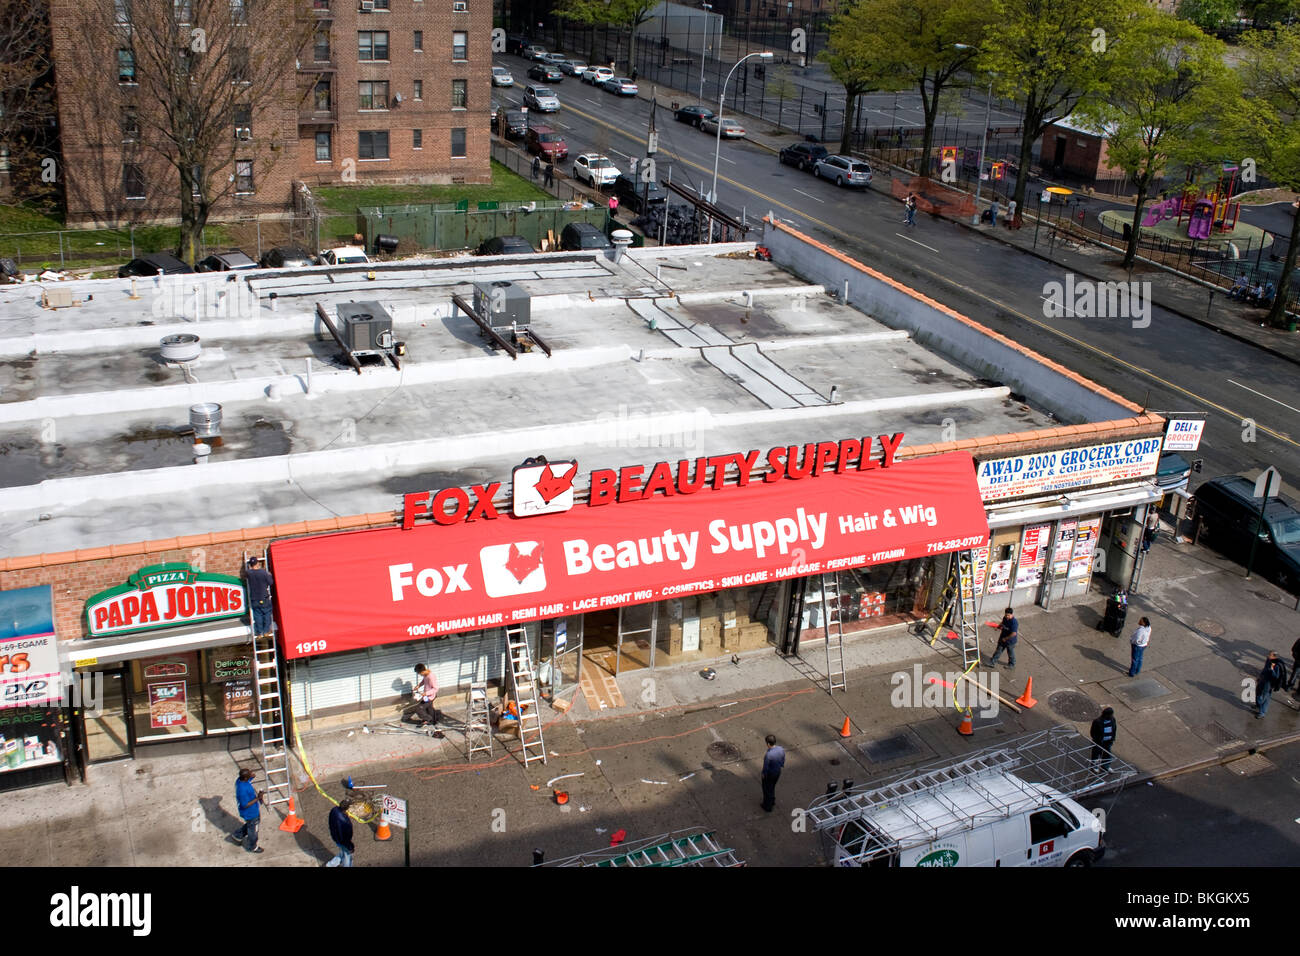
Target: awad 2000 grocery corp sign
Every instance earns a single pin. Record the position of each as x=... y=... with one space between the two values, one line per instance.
x=164 y=595
x=1048 y=471
x=438 y=578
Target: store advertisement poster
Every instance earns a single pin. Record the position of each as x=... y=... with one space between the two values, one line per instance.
x=1033 y=555
x=1064 y=549
x=1000 y=577
x=1085 y=543
x=167 y=705
x=237 y=699
x=29 y=652
x=227 y=666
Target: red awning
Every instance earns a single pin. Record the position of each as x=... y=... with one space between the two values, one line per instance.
x=347 y=591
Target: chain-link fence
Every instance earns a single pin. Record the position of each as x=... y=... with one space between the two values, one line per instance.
x=451 y=226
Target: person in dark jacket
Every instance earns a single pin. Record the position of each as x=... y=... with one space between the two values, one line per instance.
x=1008 y=636
x=259 y=597
x=341 y=834
x=247 y=801
x=1295 y=664
x=773 y=764
x=1271 y=678
x=1103 y=740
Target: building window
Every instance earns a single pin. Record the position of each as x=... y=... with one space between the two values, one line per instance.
x=419 y=89
x=130 y=124
x=372 y=144
x=417 y=139
x=323 y=149
x=122 y=12
x=320 y=50
x=320 y=4
x=459 y=45
x=381 y=4
x=458 y=143
x=126 y=67
x=243 y=121
x=459 y=94
x=322 y=96
x=373 y=95
x=184 y=10
x=239 y=69
x=419 y=41
x=243 y=177
x=238 y=12
x=133 y=180
x=372 y=45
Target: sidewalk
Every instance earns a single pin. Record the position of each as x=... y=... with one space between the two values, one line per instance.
x=685 y=752
x=1173 y=292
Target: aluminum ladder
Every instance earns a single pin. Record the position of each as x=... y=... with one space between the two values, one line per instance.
x=478 y=722
x=524 y=689
x=835 y=677
x=270 y=712
x=943 y=608
x=967 y=614
x=693 y=848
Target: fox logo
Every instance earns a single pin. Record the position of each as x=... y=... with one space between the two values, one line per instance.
x=510 y=569
x=543 y=489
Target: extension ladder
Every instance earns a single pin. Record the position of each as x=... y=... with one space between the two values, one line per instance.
x=270 y=712
x=524 y=689
x=835 y=676
x=681 y=848
x=967 y=614
x=478 y=722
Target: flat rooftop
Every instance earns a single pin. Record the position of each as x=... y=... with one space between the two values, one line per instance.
x=671 y=353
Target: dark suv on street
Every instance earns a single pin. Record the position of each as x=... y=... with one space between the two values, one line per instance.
x=1227 y=514
x=803 y=155
x=632 y=193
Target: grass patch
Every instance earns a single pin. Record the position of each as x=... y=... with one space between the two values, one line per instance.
x=505 y=187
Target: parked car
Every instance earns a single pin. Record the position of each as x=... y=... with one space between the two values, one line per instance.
x=541 y=98
x=155 y=263
x=731 y=129
x=504 y=246
x=803 y=155
x=343 y=256
x=545 y=73
x=516 y=45
x=555 y=59
x=1172 y=472
x=843 y=171
x=231 y=261
x=596 y=75
x=583 y=235
x=546 y=143
x=636 y=195
x=693 y=114
x=574 y=68
x=594 y=169
x=286 y=257
x=502 y=77
x=512 y=124
x=621 y=85
x=533 y=52
x=1227 y=514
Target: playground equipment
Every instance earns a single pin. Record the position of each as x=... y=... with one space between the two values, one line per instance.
x=1210 y=207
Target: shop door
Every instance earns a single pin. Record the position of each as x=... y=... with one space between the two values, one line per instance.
x=108 y=728
x=636 y=633
x=566 y=665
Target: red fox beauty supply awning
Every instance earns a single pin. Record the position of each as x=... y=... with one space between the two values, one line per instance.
x=347 y=591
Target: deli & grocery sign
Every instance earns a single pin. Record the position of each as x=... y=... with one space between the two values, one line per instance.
x=440 y=578
x=164 y=595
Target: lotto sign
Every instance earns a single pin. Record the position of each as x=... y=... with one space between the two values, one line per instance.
x=29 y=654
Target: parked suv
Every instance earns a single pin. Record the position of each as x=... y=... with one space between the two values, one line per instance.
x=512 y=124
x=803 y=155
x=583 y=235
x=843 y=171
x=546 y=143
x=632 y=193
x=1227 y=514
x=692 y=114
x=594 y=169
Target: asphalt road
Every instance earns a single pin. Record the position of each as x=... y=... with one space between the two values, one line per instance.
x=1210 y=818
x=1251 y=398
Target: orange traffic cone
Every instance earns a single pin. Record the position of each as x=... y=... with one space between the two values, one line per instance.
x=965 y=728
x=384 y=832
x=847 y=729
x=292 y=823
x=1027 y=698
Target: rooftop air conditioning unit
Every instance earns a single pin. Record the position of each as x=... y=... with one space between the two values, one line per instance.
x=503 y=304
x=365 y=327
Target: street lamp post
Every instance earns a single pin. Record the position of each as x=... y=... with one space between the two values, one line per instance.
x=704 y=49
x=984 y=138
x=766 y=57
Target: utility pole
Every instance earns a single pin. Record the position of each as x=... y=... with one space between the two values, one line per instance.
x=651 y=147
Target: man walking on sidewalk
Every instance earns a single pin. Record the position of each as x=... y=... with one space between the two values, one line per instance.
x=341 y=834
x=537 y=167
x=1139 y=641
x=909 y=208
x=247 y=800
x=1008 y=635
x=773 y=764
x=1271 y=678
x=1103 y=740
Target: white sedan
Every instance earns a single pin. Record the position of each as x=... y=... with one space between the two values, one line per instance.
x=731 y=129
x=622 y=85
x=502 y=77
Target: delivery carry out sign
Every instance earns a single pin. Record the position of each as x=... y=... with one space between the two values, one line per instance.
x=433 y=578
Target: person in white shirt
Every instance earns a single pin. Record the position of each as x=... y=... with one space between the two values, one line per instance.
x=426 y=691
x=1139 y=641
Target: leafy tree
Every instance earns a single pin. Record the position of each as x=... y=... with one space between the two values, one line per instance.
x=782 y=87
x=860 y=60
x=626 y=15
x=1049 y=53
x=1269 y=126
x=1167 y=81
x=1267 y=13
x=1209 y=15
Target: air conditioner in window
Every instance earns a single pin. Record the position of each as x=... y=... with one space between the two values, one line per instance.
x=459 y=6
x=244 y=133
x=367 y=6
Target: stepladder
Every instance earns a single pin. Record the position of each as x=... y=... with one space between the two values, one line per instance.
x=832 y=618
x=523 y=685
x=478 y=725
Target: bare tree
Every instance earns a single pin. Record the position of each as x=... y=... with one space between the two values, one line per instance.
x=201 y=92
x=26 y=86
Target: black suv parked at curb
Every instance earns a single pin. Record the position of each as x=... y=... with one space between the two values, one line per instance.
x=1227 y=516
x=803 y=155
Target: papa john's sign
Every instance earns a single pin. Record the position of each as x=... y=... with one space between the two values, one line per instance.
x=164 y=595
x=662 y=540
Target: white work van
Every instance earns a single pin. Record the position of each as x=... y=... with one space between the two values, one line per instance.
x=983 y=819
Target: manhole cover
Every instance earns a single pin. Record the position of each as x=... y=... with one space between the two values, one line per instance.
x=1219 y=734
x=721 y=750
x=1144 y=689
x=1252 y=765
x=1073 y=705
x=890 y=748
x=1210 y=628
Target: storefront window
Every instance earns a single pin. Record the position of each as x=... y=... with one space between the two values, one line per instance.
x=872 y=597
x=168 y=697
x=30 y=737
x=229 y=696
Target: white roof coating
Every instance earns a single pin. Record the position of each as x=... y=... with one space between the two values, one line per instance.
x=670 y=353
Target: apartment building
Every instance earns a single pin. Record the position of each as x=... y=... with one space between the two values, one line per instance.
x=274 y=92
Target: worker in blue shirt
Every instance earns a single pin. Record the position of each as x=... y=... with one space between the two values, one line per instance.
x=247 y=800
x=773 y=764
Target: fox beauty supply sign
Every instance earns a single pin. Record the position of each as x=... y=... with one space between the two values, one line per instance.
x=347 y=591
